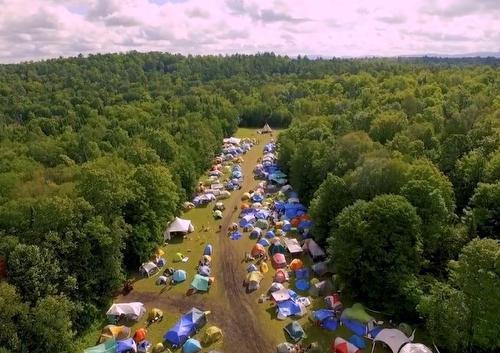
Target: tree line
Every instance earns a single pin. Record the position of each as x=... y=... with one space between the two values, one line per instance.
x=97 y=153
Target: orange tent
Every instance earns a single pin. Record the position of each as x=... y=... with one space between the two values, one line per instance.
x=296 y=221
x=140 y=335
x=296 y=264
x=258 y=250
x=244 y=205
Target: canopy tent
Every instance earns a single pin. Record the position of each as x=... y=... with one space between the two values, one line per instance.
x=212 y=334
x=107 y=347
x=191 y=346
x=133 y=311
x=315 y=251
x=114 y=332
x=295 y=331
x=148 y=269
x=125 y=346
x=200 y=283
x=393 y=338
x=189 y=323
x=178 y=225
x=293 y=246
x=179 y=276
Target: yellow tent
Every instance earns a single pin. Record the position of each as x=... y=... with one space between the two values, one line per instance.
x=113 y=331
x=155 y=314
x=211 y=335
x=159 y=252
x=264 y=268
x=245 y=196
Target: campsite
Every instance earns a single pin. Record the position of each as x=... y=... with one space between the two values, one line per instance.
x=230 y=305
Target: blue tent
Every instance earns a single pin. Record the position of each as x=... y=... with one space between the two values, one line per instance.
x=262 y=214
x=302 y=284
x=287 y=226
x=306 y=224
x=247 y=220
x=264 y=242
x=188 y=324
x=257 y=198
x=208 y=250
x=357 y=341
x=247 y=211
x=236 y=174
x=355 y=326
x=235 y=235
x=270 y=234
x=191 y=346
x=179 y=276
x=323 y=314
x=126 y=345
x=288 y=308
x=330 y=324
x=302 y=273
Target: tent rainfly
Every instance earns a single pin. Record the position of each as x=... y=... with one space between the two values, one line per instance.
x=178 y=225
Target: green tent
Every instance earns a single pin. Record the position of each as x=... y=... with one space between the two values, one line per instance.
x=295 y=331
x=200 y=283
x=107 y=347
x=262 y=224
x=357 y=312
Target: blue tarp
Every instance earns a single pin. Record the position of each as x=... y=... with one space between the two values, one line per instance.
x=288 y=308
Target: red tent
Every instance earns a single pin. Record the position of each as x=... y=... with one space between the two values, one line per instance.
x=340 y=345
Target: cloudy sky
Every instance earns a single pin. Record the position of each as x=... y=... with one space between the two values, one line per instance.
x=38 y=29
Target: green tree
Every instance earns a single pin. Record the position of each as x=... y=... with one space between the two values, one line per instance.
x=376 y=248
x=12 y=312
x=485 y=204
x=386 y=125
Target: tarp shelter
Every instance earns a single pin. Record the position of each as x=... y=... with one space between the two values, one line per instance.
x=178 y=226
x=314 y=250
x=415 y=348
x=188 y=324
x=208 y=250
x=132 y=311
x=148 y=269
x=266 y=129
x=295 y=331
x=253 y=280
x=340 y=345
x=293 y=246
x=191 y=346
x=200 y=283
x=393 y=338
x=126 y=346
x=114 y=332
x=140 y=335
x=258 y=250
x=107 y=347
x=212 y=334
x=179 y=276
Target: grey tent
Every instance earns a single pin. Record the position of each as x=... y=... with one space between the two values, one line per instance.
x=314 y=250
x=320 y=268
x=322 y=289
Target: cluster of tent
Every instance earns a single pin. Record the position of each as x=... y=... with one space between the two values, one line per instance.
x=154 y=265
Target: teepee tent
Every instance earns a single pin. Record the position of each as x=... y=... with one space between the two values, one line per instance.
x=266 y=129
x=178 y=225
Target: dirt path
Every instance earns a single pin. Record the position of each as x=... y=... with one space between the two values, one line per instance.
x=245 y=331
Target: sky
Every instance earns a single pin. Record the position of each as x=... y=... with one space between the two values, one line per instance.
x=40 y=29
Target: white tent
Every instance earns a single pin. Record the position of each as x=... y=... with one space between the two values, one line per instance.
x=148 y=268
x=132 y=311
x=178 y=225
x=415 y=348
x=393 y=338
x=232 y=140
x=266 y=129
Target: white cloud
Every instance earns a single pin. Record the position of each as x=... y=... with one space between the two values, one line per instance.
x=36 y=29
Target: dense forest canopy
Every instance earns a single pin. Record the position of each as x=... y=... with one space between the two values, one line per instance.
x=399 y=160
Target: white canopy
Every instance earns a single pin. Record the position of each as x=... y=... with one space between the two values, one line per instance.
x=232 y=140
x=132 y=310
x=178 y=225
x=415 y=348
x=393 y=338
x=266 y=128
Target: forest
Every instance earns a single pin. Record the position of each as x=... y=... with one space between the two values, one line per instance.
x=398 y=159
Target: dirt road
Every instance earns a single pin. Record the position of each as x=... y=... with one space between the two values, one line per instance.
x=245 y=335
